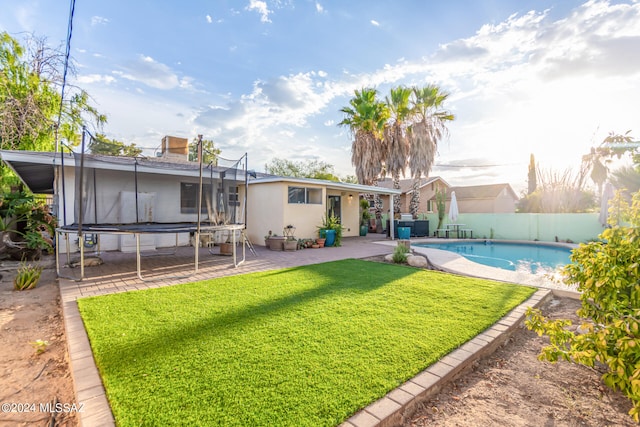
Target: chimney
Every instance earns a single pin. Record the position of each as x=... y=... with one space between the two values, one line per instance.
x=175 y=149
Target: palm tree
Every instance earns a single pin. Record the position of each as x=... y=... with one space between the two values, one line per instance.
x=396 y=138
x=427 y=130
x=366 y=117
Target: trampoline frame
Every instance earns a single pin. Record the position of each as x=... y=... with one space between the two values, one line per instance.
x=137 y=228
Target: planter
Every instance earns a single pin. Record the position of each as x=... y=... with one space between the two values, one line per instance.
x=276 y=243
x=226 y=248
x=364 y=229
x=290 y=245
x=315 y=246
x=321 y=242
x=331 y=237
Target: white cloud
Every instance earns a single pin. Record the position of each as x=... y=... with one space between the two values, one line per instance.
x=261 y=8
x=95 y=78
x=319 y=8
x=209 y=19
x=374 y=23
x=148 y=71
x=99 y=20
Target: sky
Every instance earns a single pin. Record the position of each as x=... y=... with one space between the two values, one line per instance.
x=268 y=78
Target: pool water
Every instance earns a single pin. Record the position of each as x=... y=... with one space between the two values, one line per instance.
x=508 y=256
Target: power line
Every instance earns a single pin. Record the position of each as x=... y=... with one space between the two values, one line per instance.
x=72 y=9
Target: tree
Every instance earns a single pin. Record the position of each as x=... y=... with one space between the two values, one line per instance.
x=532 y=182
x=366 y=118
x=427 y=130
x=315 y=169
x=606 y=272
x=396 y=138
x=614 y=145
x=210 y=153
x=30 y=103
x=111 y=147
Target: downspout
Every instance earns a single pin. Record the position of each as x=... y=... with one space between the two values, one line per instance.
x=392 y=233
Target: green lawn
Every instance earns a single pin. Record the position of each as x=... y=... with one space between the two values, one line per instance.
x=301 y=346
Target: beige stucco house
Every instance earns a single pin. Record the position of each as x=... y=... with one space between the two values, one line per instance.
x=276 y=202
x=492 y=198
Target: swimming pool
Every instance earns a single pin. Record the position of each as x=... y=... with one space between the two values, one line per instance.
x=508 y=256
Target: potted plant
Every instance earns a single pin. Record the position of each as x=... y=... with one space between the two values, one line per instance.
x=290 y=243
x=331 y=229
x=276 y=243
x=266 y=239
x=365 y=216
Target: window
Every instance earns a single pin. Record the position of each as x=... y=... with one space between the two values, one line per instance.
x=304 y=195
x=189 y=197
x=430 y=205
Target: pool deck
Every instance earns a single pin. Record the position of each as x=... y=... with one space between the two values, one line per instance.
x=118 y=274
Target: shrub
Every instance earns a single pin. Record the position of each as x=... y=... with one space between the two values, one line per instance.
x=400 y=254
x=27 y=277
x=606 y=273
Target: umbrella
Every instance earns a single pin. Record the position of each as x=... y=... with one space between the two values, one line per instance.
x=607 y=194
x=453 y=208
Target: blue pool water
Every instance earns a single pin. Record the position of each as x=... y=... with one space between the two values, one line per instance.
x=508 y=256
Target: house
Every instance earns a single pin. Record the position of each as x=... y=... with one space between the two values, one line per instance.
x=492 y=198
x=124 y=190
x=275 y=202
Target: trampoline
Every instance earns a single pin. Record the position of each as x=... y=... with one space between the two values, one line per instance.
x=143 y=197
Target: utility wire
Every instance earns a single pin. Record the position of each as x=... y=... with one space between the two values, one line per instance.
x=72 y=9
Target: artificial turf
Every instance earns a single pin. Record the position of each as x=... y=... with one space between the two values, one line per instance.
x=301 y=346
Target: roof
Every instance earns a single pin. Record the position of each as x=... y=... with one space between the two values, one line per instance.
x=490 y=191
x=36 y=169
x=329 y=184
x=407 y=184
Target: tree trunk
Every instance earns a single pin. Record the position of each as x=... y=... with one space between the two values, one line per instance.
x=396 y=200
x=414 y=205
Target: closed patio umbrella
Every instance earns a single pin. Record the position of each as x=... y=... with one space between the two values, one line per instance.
x=453 y=208
x=607 y=194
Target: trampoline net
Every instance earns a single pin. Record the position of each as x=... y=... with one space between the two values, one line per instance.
x=137 y=190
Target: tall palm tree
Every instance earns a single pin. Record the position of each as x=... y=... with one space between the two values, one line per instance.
x=428 y=128
x=366 y=117
x=396 y=138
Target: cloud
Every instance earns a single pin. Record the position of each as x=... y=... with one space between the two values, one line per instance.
x=261 y=8
x=148 y=71
x=319 y=8
x=209 y=19
x=99 y=20
x=95 y=78
x=374 y=23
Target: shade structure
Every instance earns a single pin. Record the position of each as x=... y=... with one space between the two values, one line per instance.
x=453 y=208
x=607 y=195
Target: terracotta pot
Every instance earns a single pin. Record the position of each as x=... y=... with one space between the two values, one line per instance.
x=315 y=246
x=320 y=242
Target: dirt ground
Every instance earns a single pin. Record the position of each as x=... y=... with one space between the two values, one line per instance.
x=31 y=381
x=513 y=388
x=510 y=388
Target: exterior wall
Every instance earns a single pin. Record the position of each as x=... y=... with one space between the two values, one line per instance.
x=577 y=227
x=266 y=211
x=350 y=212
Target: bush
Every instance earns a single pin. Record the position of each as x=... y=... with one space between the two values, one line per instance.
x=606 y=273
x=400 y=254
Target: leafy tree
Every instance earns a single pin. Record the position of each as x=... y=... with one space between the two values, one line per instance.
x=606 y=272
x=315 y=169
x=30 y=103
x=614 y=145
x=626 y=178
x=210 y=153
x=112 y=147
x=428 y=128
x=396 y=137
x=351 y=179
